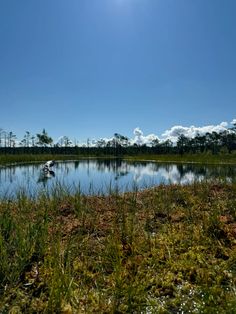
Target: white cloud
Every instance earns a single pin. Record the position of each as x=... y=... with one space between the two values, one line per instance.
x=224 y=124
x=190 y=132
x=141 y=139
x=60 y=138
x=63 y=141
x=171 y=134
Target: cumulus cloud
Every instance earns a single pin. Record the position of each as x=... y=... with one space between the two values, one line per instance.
x=192 y=131
x=60 y=138
x=141 y=139
x=172 y=134
x=63 y=141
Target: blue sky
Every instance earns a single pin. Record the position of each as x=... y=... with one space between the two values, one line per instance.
x=90 y=68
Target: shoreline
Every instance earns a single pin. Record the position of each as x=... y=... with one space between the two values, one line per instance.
x=8 y=160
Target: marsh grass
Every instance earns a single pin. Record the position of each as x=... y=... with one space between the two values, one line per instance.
x=170 y=249
x=203 y=158
x=32 y=158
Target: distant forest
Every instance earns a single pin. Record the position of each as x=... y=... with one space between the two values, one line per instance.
x=215 y=143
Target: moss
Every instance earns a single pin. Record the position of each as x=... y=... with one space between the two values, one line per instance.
x=168 y=249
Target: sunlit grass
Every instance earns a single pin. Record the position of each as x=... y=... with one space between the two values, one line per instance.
x=203 y=158
x=192 y=158
x=170 y=249
x=32 y=158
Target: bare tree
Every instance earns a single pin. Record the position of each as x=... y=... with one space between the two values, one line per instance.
x=11 y=139
x=1 y=136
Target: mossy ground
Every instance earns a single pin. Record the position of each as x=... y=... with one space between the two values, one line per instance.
x=171 y=249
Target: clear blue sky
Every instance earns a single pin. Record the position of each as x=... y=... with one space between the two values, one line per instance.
x=90 y=68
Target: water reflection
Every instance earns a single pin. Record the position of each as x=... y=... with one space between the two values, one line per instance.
x=43 y=177
x=101 y=174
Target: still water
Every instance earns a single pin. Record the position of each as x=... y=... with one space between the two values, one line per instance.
x=100 y=176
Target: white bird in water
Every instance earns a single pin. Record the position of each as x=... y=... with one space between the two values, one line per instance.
x=47 y=166
x=46 y=172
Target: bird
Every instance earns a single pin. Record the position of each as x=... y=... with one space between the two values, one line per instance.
x=47 y=166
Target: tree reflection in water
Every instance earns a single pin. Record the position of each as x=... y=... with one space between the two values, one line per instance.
x=105 y=172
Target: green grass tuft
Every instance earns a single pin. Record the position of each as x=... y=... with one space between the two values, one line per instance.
x=170 y=249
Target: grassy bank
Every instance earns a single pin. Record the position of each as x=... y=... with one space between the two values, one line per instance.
x=171 y=249
x=194 y=158
x=9 y=159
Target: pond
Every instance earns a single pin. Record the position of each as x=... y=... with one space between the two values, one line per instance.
x=95 y=176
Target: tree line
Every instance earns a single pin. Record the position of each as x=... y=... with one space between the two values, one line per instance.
x=222 y=142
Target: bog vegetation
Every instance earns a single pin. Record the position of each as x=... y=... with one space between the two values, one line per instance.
x=170 y=249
